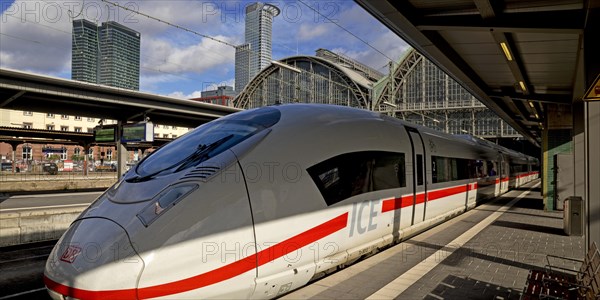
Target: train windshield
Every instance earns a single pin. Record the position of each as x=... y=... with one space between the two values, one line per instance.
x=205 y=142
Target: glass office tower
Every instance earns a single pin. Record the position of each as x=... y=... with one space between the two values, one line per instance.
x=108 y=54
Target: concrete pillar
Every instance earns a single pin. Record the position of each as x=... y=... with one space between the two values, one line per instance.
x=556 y=138
x=13 y=147
x=86 y=149
x=591 y=63
x=592 y=137
x=121 y=152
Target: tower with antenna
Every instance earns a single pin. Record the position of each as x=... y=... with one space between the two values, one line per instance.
x=256 y=52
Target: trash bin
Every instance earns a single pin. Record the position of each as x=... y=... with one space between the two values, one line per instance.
x=573 y=216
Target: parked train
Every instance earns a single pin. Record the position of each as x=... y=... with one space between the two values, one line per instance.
x=258 y=203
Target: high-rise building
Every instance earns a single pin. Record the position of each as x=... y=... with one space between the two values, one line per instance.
x=242 y=67
x=84 y=46
x=108 y=54
x=258 y=37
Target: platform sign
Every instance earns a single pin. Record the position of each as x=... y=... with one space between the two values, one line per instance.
x=105 y=134
x=593 y=93
x=140 y=132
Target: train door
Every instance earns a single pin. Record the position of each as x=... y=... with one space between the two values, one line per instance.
x=419 y=182
x=504 y=174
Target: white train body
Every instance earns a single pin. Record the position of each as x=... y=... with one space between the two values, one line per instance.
x=258 y=203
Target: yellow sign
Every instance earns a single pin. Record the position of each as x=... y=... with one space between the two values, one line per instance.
x=593 y=93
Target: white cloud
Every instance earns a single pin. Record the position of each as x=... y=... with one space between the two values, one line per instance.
x=36 y=35
x=388 y=43
x=182 y=95
x=164 y=56
x=309 y=31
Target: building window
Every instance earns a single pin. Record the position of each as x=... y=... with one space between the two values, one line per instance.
x=49 y=127
x=64 y=117
x=28 y=125
x=49 y=115
x=166 y=126
x=64 y=128
x=63 y=154
x=91 y=153
x=77 y=151
x=90 y=130
x=173 y=135
x=166 y=136
x=77 y=129
x=109 y=154
x=90 y=119
x=156 y=135
x=27 y=153
x=27 y=113
x=77 y=118
x=174 y=127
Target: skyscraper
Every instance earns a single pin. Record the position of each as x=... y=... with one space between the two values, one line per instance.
x=258 y=32
x=242 y=67
x=108 y=54
x=84 y=51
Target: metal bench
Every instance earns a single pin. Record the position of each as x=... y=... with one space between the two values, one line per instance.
x=555 y=282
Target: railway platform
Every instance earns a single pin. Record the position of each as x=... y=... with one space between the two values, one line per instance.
x=485 y=253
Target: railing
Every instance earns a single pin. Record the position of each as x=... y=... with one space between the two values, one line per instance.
x=9 y=176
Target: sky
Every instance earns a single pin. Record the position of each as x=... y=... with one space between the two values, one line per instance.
x=35 y=36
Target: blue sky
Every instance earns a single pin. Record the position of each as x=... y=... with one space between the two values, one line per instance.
x=35 y=36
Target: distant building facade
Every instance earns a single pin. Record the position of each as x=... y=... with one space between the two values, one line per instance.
x=84 y=51
x=256 y=52
x=108 y=54
x=223 y=95
x=242 y=67
x=36 y=152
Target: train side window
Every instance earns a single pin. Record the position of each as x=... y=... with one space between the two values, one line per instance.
x=351 y=174
x=444 y=169
x=479 y=169
x=419 y=169
x=439 y=169
x=491 y=168
x=462 y=168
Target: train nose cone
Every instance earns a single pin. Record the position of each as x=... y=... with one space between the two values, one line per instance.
x=94 y=259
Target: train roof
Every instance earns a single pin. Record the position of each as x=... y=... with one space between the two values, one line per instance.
x=328 y=113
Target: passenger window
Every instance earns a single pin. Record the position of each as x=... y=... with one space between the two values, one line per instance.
x=444 y=169
x=351 y=174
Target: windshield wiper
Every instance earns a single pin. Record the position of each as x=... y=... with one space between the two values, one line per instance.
x=201 y=151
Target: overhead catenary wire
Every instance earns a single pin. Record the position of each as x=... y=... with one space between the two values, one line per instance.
x=346 y=30
x=162 y=70
x=169 y=23
x=225 y=42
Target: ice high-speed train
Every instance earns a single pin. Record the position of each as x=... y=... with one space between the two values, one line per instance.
x=258 y=203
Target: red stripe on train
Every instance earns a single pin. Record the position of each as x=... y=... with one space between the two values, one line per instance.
x=211 y=277
x=404 y=201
